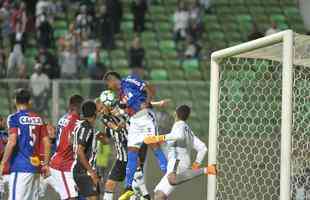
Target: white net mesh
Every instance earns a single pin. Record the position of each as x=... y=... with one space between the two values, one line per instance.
x=249 y=129
x=249 y=136
x=301 y=134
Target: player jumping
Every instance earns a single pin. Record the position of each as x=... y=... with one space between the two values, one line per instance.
x=61 y=164
x=115 y=130
x=136 y=95
x=181 y=141
x=27 y=133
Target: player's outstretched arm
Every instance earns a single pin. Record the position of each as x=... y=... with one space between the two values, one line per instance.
x=175 y=135
x=47 y=152
x=160 y=104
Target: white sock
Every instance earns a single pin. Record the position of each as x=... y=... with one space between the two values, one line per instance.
x=108 y=196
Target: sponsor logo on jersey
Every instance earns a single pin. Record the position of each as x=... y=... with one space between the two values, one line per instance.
x=131 y=80
x=30 y=120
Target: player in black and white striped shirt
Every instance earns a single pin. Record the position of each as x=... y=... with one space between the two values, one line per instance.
x=115 y=126
x=84 y=145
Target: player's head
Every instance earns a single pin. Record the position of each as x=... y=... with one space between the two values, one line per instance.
x=183 y=112
x=75 y=102
x=89 y=110
x=112 y=80
x=22 y=97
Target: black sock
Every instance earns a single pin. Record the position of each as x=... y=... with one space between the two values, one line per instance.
x=148 y=197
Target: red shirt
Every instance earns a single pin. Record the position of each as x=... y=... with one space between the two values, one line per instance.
x=64 y=156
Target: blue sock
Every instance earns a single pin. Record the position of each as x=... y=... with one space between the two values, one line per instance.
x=131 y=167
x=161 y=159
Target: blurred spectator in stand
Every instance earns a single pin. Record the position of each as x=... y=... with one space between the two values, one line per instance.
x=192 y=49
x=304 y=7
x=255 y=33
x=19 y=36
x=207 y=4
x=96 y=70
x=39 y=84
x=2 y=64
x=45 y=33
x=49 y=63
x=15 y=62
x=273 y=29
x=136 y=57
x=139 y=9
x=105 y=28
x=46 y=9
x=195 y=21
x=115 y=9
x=68 y=61
x=5 y=15
x=73 y=37
x=18 y=24
x=84 y=21
x=22 y=77
x=181 y=22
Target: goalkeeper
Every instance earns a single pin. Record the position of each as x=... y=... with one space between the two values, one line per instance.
x=180 y=141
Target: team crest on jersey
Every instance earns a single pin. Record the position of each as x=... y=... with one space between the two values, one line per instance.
x=63 y=121
x=30 y=120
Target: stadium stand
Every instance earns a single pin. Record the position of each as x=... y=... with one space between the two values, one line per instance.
x=229 y=23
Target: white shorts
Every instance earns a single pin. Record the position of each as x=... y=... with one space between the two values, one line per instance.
x=24 y=186
x=63 y=183
x=141 y=124
x=164 y=185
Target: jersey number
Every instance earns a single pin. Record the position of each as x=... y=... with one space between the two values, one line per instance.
x=32 y=135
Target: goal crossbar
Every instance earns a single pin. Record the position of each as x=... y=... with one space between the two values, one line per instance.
x=286 y=38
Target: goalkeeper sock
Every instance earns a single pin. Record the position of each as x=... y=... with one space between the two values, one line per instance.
x=108 y=196
x=131 y=167
x=188 y=175
x=159 y=154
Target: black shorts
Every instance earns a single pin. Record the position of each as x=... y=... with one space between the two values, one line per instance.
x=86 y=187
x=118 y=171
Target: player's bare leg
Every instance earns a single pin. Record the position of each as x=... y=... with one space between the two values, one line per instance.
x=159 y=195
x=109 y=190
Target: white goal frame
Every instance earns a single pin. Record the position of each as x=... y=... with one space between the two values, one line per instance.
x=286 y=38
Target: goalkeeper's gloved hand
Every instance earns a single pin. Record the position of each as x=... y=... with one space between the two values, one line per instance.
x=153 y=139
x=196 y=166
x=211 y=170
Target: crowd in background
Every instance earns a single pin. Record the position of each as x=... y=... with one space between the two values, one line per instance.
x=96 y=24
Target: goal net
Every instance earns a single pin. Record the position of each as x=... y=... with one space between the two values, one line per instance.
x=259 y=139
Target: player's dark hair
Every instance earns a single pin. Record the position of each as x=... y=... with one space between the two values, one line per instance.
x=183 y=112
x=110 y=74
x=75 y=101
x=22 y=96
x=89 y=108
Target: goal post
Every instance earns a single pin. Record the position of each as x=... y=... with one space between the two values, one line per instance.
x=230 y=119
